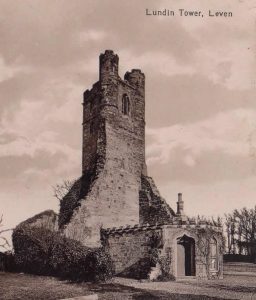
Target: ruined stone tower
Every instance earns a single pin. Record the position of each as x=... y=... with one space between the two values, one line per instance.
x=114 y=204
x=114 y=189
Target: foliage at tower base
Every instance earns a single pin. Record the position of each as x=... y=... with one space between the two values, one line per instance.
x=44 y=252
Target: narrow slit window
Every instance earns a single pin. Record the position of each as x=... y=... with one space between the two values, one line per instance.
x=125 y=105
x=92 y=127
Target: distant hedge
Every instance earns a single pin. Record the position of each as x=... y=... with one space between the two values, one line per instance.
x=7 y=263
x=43 y=252
x=237 y=258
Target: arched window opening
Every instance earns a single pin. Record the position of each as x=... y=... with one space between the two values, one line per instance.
x=125 y=105
x=213 y=255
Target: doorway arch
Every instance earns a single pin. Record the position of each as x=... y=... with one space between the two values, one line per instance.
x=185 y=256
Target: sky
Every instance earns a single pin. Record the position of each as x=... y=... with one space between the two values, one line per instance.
x=200 y=97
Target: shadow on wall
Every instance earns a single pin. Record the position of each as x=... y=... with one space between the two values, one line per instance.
x=139 y=270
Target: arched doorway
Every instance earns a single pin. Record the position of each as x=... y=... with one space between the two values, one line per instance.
x=186 y=256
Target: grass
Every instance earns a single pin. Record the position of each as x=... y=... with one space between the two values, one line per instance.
x=15 y=286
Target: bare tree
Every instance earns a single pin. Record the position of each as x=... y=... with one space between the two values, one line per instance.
x=245 y=220
x=4 y=244
x=209 y=220
x=239 y=239
x=233 y=235
x=228 y=229
x=231 y=231
x=61 y=190
x=241 y=231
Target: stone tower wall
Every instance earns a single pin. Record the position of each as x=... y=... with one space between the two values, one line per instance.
x=113 y=152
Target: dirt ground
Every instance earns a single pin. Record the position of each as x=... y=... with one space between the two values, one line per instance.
x=231 y=287
x=21 y=286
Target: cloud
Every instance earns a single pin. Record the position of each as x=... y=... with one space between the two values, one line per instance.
x=212 y=198
x=8 y=71
x=13 y=166
x=222 y=147
x=164 y=65
x=47 y=152
x=92 y=35
x=186 y=98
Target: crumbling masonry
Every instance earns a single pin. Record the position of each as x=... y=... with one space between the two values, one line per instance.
x=115 y=204
x=119 y=192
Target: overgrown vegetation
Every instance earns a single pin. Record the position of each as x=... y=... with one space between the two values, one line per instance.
x=4 y=244
x=43 y=252
x=6 y=256
x=160 y=259
x=202 y=220
x=7 y=262
x=203 y=245
x=69 y=193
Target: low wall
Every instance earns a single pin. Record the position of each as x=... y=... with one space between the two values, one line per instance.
x=131 y=248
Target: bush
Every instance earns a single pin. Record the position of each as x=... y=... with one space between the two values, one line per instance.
x=66 y=254
x=139 y=270
x=43 y=252
x=32 y=249
x=165 y=262
x=99 y=265
x=237 y=258
x=71 y=260
x=7 y=263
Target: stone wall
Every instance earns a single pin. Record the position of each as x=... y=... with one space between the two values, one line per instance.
x=114 y=189
x=113 y=153
x=130 y=246
x=201 y=235
x=131 y=249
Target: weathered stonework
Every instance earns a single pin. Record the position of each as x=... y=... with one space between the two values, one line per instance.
x=118 y=191
x=129 y=245
x=115 y=204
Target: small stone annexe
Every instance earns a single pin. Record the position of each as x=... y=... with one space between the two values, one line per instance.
x=190 y=249
x=115 y=204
